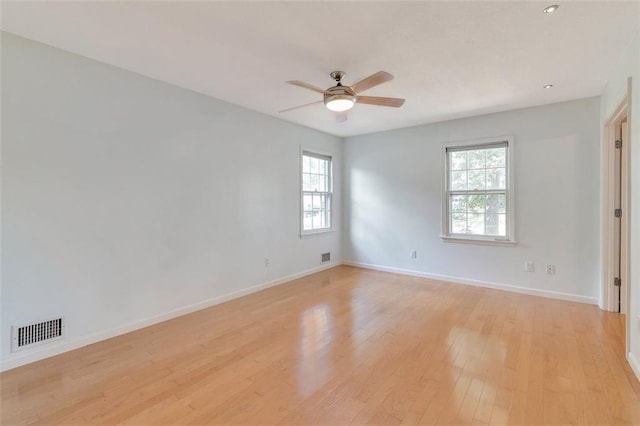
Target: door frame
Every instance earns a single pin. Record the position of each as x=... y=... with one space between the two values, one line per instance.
x=608 y=301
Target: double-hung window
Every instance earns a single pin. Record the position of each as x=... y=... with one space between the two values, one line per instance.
x=316 y=193
x=478 y=204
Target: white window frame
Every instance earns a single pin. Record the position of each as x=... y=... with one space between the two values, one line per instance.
x=329 y=193
x=509 y=239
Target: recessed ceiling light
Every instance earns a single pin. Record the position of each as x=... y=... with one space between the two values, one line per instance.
x=548 y=86
x=550 y=9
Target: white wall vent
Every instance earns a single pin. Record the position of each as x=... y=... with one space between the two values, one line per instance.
x=33 y=334
x=326 y=257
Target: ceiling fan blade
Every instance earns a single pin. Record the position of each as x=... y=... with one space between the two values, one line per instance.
x=306 y=86
x=371 y=81
x=377 y=100
x=301 y=106
x=341 y=116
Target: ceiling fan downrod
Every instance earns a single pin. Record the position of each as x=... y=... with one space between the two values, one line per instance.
x=337 y=76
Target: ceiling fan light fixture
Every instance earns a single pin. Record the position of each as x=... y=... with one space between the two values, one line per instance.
x=339 y=103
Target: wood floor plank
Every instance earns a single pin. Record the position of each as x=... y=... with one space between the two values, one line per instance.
x=346 y=346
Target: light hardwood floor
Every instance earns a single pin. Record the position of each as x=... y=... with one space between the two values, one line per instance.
x=346 y=346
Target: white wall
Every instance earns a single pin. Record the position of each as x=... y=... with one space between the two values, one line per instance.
x=126 y=200
x=629 y=66
x=393 y=197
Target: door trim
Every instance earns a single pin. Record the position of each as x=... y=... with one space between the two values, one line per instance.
x=608 y=299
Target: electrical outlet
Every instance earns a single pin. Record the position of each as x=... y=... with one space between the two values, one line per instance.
x=529 y=266
x=551 y=269
x=414 y=254
x=267 y=262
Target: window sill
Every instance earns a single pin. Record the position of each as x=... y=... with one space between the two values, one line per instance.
x=481 y=241
x=319 y=233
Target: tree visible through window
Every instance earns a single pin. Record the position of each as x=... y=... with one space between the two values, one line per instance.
x=316 y=192
x=477 y=192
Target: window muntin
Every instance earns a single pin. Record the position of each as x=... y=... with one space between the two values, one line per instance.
x=316 y=192
x=477 y=192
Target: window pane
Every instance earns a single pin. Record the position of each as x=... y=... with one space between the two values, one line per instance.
x=313 y=182
x=476 y=203
x=316 y=208
x=458 y=203
x=458 y=223
x=476 y=179
x=306 y=182
x=492 y=224
x=316 y=202
x=475 y=223
x=321 y=166
x=496 y=157
x=496 y=179
x=478 y=176
x=307 y=221
x=322 y=183
x=502 y=225
x=475 y=159
x=458 y=160
x=496 y=203
x=305 y=164
x=307 y=202
x=458 y=180
x=323 y=217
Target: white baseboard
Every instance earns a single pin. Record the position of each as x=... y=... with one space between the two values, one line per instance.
x=69 y=345
x=478 y=283
x=635 y=365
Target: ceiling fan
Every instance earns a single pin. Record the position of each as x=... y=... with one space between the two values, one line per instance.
x=340 y=98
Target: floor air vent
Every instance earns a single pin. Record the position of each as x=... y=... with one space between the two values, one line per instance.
x=326 y=257
x=32 y=334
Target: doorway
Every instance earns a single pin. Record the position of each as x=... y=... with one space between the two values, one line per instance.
x=616 y=169
x=620 y=213
x=615 y=209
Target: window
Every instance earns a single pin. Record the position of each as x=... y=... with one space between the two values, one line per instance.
x=316 y=193
x=479 y=192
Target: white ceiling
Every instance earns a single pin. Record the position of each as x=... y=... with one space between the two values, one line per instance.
x=449 y=59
